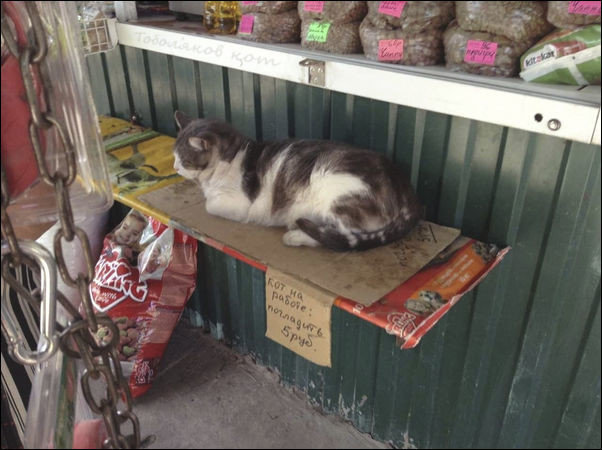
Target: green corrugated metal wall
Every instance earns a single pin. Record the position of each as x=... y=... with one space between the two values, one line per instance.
x=517 y=362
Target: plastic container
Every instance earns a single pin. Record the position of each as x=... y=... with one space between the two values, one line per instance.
x=61 y=84
x=221 y=17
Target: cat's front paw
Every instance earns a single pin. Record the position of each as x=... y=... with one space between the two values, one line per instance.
x=297 y=238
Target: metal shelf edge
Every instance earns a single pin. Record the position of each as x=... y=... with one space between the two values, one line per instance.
x=510 y=103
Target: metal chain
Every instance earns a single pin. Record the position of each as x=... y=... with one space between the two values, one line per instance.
x=77 y=340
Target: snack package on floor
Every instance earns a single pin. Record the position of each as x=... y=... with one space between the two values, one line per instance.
x=399 y=47
x=144 y=276
x=518 y=21
x=481 y=53
x=564 y=57
x=411 y=17
x=573 y=14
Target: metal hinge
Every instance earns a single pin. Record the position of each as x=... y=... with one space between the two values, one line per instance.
x=316 y=75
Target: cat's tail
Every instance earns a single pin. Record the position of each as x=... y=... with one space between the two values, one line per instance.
x=340 y=239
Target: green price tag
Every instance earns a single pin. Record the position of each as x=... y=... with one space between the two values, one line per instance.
x=318 y=31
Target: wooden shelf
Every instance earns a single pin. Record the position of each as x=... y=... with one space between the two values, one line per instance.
x=508 y=102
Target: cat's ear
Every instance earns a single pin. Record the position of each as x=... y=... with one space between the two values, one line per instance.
x=199 y=143
x=181 y=119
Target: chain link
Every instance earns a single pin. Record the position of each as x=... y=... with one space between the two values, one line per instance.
x=77 y=340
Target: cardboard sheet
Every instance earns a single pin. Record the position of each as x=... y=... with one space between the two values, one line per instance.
x=364 y=277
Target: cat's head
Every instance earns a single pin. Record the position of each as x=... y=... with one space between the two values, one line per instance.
x=201 y=144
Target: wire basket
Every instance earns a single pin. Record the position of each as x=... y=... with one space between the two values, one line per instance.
x=98 y=35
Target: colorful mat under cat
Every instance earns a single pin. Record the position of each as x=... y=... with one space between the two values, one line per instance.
x=406 y=303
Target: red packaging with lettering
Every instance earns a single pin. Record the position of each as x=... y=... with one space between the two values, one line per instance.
x=143 y=278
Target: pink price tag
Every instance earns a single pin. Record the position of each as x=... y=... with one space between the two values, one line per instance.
x=391 y=8
x=390 y=50
x=249 y=3
x=246 y=24
x=313 y=6
x=588 y=8
x=480 y=52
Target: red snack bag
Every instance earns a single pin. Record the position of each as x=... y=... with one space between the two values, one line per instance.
x=145 y=275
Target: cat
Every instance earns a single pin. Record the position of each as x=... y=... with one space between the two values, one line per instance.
x=325 y=193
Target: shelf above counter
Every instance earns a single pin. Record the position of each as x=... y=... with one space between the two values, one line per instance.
x=568 y=112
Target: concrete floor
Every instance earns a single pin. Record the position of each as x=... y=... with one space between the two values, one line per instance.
x=208 y=396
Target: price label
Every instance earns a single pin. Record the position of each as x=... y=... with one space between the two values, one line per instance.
x=390 y=50
x=481 y=52
x=391 y=8
x=318 y=31
x=313 y=6
x=586 y=8
x=246 y=24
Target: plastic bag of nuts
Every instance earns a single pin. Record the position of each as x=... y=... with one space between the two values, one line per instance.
x=142 y=280
x=518 y=21
x=573 y=14
x=334 y=12
x=481 y=53
x=411 y=17
x=330 y=37
x=399 y=47
x=273 y=28
x=266 y=7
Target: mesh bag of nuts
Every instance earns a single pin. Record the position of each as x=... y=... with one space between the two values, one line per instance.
x=482 y=53
x=331 y=37
x=266 y=7
x=573 y=14
x=399 y=47
x=518 y=21
x=334 y=12
x=142 y=280
x=272 y=28
x=411 y=17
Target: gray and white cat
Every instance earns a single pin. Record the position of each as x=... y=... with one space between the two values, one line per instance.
x=325 y=193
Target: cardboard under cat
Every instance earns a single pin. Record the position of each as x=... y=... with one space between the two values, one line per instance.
x=364 y=277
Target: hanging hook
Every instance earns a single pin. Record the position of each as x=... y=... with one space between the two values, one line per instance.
x=47 y=344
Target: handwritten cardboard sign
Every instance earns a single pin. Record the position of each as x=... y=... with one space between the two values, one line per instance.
x=246 y=24
x=390 y=50
x=587 y=8
x=298 y=316
x=313 y=6
x=391 y=8
x=481 y=52
x=318 y=31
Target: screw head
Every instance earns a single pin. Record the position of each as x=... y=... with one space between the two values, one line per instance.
x=554 y=124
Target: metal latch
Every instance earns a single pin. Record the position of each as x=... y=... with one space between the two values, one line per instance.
x=317 y=71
